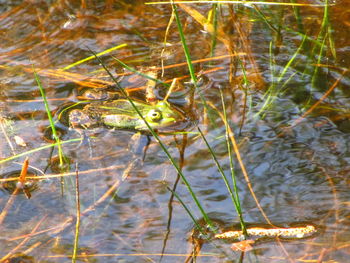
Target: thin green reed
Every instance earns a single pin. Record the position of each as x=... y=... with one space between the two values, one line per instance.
x=298 y=17
x=235 y=201
x=325 y=32
x=194 y=80
x=78 y=216
x=38 y=149
x=288 y=65
x=186 y=208
x=326 y=29
x=92 y=57
x=263 y=17
x=52 y=123
x=140 y=73
x=272 y=90
x=214 y=13
x=232 y=170
x=184 y=45
x=189 y=61
x=171 y=159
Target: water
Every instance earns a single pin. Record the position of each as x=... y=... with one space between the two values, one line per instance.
x=298 y=167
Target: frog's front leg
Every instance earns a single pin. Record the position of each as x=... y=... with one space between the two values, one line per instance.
x=79 y=121
x=139 y=144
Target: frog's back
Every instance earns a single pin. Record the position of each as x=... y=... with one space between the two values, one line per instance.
x=120 y=121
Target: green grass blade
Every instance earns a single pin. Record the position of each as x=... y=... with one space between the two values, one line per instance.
x=189 y=61
x=291 y=60
x=214 y=12
x=77 y=223
x=52 y=123
x=92 y=57
x=221 y=171
x=319 y=58
x=318 y=51
x=171 y=159
x=298 y=17
x=187 y=210
x=184 y=46
x=326 y=28
x=139 y=73
x=271 y=90
x=37 y=150
x=263 y=17
x=272 y=93
x=233 y=176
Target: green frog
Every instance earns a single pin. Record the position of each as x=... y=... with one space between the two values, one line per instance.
x=120 y=114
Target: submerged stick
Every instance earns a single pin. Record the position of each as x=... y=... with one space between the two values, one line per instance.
x=260 y=232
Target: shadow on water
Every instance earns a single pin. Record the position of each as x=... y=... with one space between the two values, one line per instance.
x=284 y=74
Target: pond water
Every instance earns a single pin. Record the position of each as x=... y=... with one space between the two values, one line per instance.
x=283 y=73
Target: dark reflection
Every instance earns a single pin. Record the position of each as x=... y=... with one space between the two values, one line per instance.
x=203 y=235
x=48 y=135
x=29 y=186
x=63 y=247
x=206 y=232
x=57 y=167
x=20 y=258
x=182 y=144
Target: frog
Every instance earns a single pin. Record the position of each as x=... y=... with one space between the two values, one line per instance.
x=120 y=114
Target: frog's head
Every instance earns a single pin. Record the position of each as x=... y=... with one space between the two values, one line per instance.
x=161 y=116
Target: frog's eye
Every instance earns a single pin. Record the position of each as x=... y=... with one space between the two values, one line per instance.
x=154 y=115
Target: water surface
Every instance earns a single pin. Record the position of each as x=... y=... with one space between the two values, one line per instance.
x=297 y=164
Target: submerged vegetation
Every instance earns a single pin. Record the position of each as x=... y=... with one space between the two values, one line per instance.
x=219 y=128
